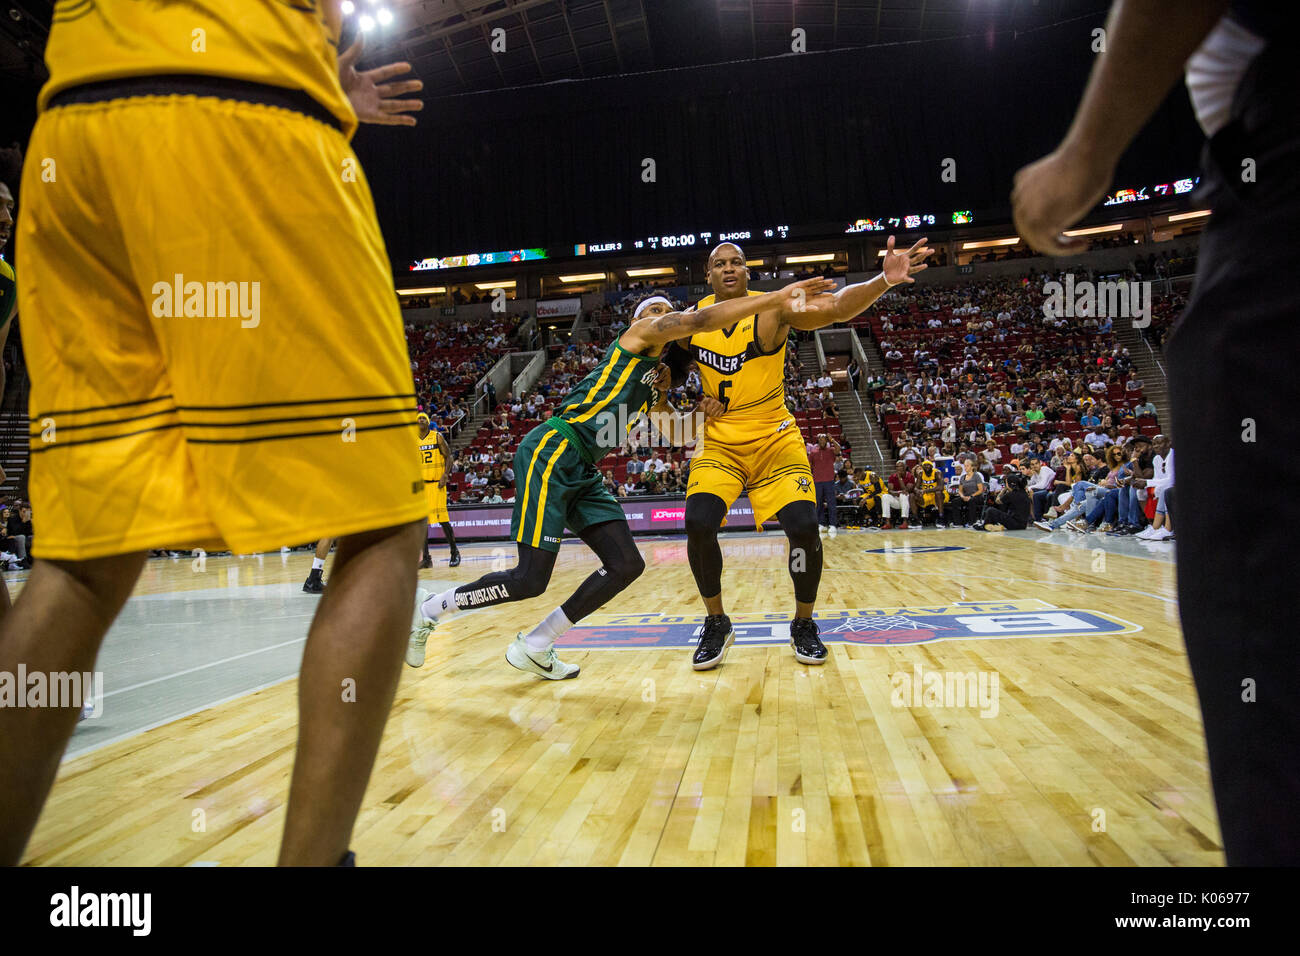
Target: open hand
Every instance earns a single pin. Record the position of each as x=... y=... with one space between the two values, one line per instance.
x=373 y=99
x=901 y=266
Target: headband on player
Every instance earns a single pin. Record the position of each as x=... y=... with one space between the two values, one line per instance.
x=422 y=418
x=646 y=303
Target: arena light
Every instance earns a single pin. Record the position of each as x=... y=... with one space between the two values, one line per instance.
x=755 y=262
x=990 y=243
x=1179 y=217
x=384 y=17
x=1095 y=230
x=348 y=8
x=431 y=290
x=366 y=23
x=819 y=257
x=641 y=273
x=502 y=284
x=584 y=277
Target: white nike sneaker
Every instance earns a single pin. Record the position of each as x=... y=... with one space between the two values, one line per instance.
x=1164 y=534
x=821 y=529
x=421 y=628
x=832 y=531
x=542 y=663
x=1146 y=533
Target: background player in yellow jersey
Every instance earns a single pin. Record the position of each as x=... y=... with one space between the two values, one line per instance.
x=435 y=455
x=755 y=445
x=187 y=424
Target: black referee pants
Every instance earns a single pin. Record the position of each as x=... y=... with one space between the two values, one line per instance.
x=1236 y=405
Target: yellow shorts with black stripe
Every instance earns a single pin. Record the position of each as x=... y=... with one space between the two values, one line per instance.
x=773 y=470
x=216 y=351
x=437 y=499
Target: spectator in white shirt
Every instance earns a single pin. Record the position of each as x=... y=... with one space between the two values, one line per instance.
x=1161 y=485
x=825 y=381
x=1040 y=487
x=1098 y=438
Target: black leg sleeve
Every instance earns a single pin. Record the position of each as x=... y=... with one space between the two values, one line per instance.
x=526 y=579
x=704 y=514
x=620 y=564
x=799 y=522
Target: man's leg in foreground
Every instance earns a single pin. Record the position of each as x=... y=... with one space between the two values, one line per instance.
x=349 y=674
x=55 y=626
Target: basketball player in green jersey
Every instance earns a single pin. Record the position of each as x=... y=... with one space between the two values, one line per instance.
x=557 y=484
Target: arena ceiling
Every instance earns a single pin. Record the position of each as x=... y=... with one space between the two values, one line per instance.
x=449 y=41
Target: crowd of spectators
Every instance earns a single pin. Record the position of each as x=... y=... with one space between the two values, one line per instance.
x=449 y=358
x=15 y=534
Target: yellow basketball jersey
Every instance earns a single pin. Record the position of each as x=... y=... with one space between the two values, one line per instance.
x=432 y=463
x=736 y=371
x=288 y=43
x=929 y=486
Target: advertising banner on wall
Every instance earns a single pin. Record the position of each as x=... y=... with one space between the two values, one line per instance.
x=553 y=308
x=644 y=516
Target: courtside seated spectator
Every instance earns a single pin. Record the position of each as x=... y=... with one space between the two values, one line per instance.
x=900 y=485
x=968 y=495
x=1010 y=510
x=1161 y=485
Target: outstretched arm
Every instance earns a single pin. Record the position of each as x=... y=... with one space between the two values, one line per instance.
x=659 y=330
x=851 y=301
x=1149 y=44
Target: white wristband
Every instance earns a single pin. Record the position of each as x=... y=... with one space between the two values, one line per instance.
x=888 y=284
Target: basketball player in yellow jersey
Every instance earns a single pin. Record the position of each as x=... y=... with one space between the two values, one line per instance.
x=435 y=458
x=755 y=445
x=217 y=360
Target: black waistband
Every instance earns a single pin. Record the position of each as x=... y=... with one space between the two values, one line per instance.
x=221 y=87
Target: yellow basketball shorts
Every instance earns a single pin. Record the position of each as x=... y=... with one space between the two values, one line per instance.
x=437 y=502
x=773 y=470
x=216 y=350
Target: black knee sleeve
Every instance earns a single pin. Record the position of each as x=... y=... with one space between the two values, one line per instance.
x=799 y=522
x=620 y=564
x=704 y=514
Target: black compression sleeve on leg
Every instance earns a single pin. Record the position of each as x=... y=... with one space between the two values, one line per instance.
x=620 y=564
x=526 y=579
x=704 y=514
x=451 y=535
x=799 y=522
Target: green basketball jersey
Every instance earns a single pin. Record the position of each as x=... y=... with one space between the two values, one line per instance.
x=609 y=400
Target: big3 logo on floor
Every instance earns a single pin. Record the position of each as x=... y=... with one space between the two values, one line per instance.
x=962 y=621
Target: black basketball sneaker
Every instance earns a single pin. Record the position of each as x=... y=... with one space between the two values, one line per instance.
x=714 y=641
x=455 y=560
x=808 y=647
x=314 y=584
x=426 y=562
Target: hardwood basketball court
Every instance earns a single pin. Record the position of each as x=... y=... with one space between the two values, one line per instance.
x=1080 y=745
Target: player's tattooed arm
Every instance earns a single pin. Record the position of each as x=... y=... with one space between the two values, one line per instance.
x=659 y=330
x=897 y=268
